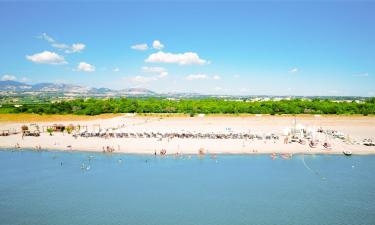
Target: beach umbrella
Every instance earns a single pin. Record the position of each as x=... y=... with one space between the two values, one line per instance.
x=286 y=130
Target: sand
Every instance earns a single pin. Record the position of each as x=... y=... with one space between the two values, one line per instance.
x=356 y=127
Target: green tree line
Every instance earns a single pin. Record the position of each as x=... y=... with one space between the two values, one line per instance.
x=94 y=106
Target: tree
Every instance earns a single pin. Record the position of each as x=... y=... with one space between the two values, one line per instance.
x=50 y=130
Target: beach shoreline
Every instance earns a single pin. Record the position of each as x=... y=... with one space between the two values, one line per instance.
x=186 y=154
x=354 y=127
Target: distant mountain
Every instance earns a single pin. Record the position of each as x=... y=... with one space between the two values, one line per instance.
x=10 y=85
x=137 y=91
x=15 y=86
x=51 y=87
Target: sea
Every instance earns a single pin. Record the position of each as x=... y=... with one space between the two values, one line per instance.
x=84 y=188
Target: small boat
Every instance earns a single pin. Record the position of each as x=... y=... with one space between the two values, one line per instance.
x=347 y=152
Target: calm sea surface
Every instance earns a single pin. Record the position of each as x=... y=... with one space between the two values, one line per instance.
x=62 y=188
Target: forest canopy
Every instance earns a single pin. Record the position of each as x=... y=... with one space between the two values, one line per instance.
x=93 y=106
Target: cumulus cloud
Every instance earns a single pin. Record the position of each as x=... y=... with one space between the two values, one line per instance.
x=85 y=67
x=160 y=71
x=76 y=47
x=143 y=79
x=7 y=77
x=157 y=45
x=146 y=79
x=199 y=76
x=116 y=69
x=179 y=58
x=46 y=57
x=293 y=70
x=140 y=47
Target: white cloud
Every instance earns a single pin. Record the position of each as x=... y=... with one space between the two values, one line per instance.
x=236 y=76
x=85 y=67
x=7 y=77
x=146 y=79
x=47 y=38
x=140 y=47
x=216 y=77
x=198 y=76
x=77 y=47
x=116 y=69
x=46 y=57
x=218 y=88
x=361 y=75
x=143 y=79
x=147 y=69
x=60 y=46
x=179 y=58
x=293 y=70
x=160 y=71
x=157 y=45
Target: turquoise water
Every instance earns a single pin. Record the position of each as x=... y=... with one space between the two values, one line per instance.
x=35 y=189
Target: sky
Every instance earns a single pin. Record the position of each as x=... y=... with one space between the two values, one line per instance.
x=212 y=47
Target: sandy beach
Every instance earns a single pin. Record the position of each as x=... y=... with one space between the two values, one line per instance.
x=354 y=128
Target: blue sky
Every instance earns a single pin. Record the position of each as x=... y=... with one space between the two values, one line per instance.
x=277 y=48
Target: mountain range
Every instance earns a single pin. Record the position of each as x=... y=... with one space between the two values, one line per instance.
x=20 y=87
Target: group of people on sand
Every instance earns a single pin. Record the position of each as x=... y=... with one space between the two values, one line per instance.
x=18 y=146
x=112 y=134
x=109 y=149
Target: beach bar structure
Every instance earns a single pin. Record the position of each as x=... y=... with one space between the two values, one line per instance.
x=33 y=130
x=62 y=127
